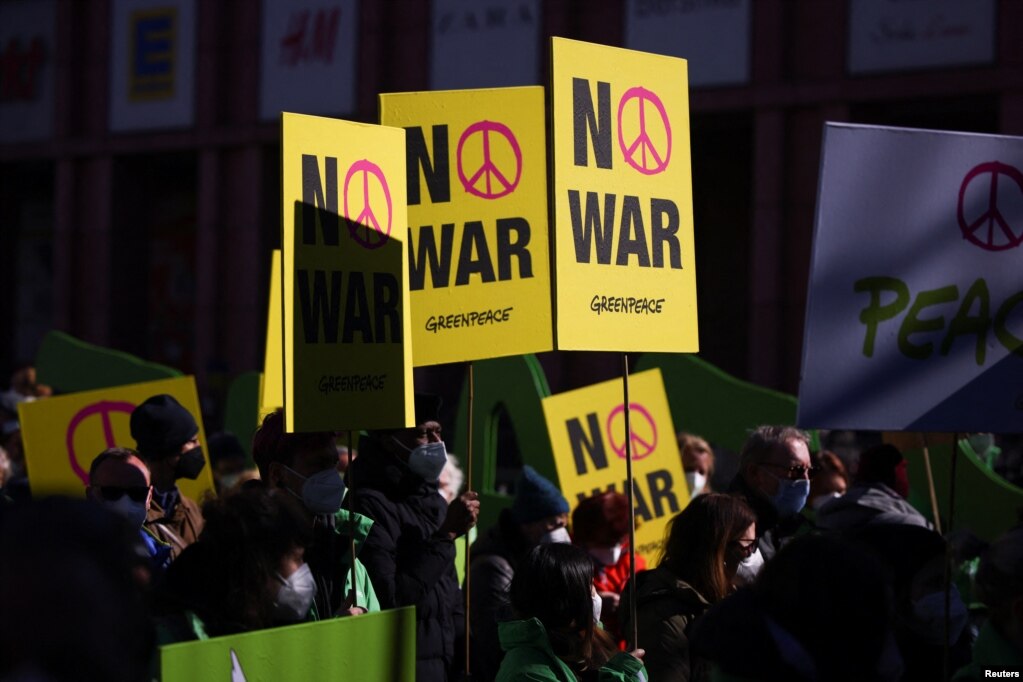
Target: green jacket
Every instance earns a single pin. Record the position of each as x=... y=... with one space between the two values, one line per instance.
x=530 y=657
x=365 y=596
x=991 y=650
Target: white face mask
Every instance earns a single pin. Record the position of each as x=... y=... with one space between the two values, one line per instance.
x=135 y=512
x=696 y=482
x=606 y=556
x=296 y=595
x=555 y=536
x=749 y=568
x=597 y=603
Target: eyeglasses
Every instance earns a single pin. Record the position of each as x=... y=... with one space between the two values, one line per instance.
x=746 y=547
x=795 y=473
x=112 y=493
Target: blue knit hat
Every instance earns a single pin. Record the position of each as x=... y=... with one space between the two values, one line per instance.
x=536 y=498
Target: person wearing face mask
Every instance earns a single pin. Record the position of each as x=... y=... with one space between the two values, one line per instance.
x=247 y=571
x=410 y=550
x=301 y=469
x=705 y=544
x=600 y=525
x=555 y=632
x=774 y=480
x=538 y=515
x=697 y=463
x=119 y=482
x=167 y=437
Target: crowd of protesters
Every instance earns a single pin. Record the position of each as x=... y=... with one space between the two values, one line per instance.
x=802 y=567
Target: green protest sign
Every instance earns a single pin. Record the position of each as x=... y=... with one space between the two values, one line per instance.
x=370 y=648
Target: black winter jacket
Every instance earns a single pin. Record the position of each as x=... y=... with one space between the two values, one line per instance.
x=408 y=563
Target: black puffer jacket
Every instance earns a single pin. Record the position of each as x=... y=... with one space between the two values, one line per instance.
x=406 y=560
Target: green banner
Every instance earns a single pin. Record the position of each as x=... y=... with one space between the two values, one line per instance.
x=370 y=648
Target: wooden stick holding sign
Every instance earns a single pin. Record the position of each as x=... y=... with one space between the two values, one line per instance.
x=930 y=484
x=353 y=595
x=468 y=558
x=629 y=485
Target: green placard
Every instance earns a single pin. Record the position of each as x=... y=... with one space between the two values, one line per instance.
x=370 y=648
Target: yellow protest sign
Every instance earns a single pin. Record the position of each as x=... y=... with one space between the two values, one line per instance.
x=623 y=208
x=347 y=350
x=478 y=255
x=271 y=385
x=587 y=430
x=63 y=435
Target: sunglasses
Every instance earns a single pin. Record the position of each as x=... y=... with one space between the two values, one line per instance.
x=794 y=473
x=112 y=493
x=746 y=547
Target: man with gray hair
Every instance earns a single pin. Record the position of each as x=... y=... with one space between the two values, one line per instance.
x=774 y=479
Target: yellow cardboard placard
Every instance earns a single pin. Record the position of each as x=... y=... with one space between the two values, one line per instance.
x=623 y=207
x=271 y=385
x=347 y=345
x=62 y=435
x=478 y=256
x=587 y=430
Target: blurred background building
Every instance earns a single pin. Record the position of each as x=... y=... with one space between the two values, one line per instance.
x=140 y=160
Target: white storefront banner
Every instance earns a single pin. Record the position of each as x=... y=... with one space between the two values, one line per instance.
x=712 y=35
x=28 y=56
x=309 y=57
x=152 y=64
x=484 y=43
x=915 y=309
x=895 y=35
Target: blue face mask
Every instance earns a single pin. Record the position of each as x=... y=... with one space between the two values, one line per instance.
x=791 y=496
x=426 y=460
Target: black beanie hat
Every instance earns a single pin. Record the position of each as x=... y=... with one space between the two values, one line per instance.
x=160 y=426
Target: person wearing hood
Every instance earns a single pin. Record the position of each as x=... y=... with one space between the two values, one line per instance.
x=774 y=480
x=301 y=468
x=706 y=542
x=878 y=495
x=539 y=514
x=167 y=437
x=556 y=635
x=410 y=551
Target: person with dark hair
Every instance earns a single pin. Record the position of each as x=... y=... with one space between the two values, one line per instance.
x=999 y=585
x=302 y=468
x=119 y=481
x=705 y=544
x=878 y=494
x=820 y=611
x=600 y=525
x=246 y=571
x=557 y=634
x=71 y=606
x=774 y=480
x=539 y=514
x=167 y=437
x=410 y=551
x=831 y=480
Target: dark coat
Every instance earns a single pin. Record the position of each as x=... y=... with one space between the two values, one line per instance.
x=666 y=608
x=494 y=558
x=408 y=562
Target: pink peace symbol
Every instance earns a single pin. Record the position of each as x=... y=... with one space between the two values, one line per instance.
x=992 y=218
x=489 y=171
x=365 y=228
x=643 y=145
x=104 y=408
x=642 y=446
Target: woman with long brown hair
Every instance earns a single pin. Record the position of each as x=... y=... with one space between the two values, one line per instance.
x=702 y=551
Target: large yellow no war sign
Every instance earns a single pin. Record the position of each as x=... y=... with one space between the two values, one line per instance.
x=477 y=191
x=587 y=430
x=623 y=208
x=63 y=435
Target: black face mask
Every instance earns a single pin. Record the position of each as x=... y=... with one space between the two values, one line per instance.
x=190 y=464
